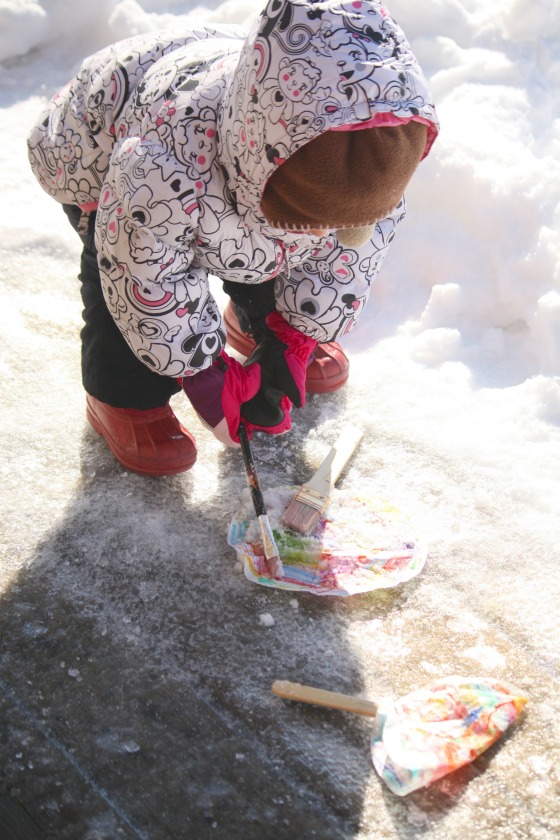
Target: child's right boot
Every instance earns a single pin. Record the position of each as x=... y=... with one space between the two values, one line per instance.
x=151 y=442
x=329 y=367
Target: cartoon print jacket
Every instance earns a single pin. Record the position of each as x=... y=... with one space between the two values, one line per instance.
x=172 y=137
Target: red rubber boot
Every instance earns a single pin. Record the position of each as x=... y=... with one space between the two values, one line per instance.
x=327 y=372
x=151 y=442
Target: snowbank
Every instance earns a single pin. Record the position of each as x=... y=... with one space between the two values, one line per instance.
x=30 y=24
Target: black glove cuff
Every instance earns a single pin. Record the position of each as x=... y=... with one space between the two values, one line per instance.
x=264 y=408
x=275 y=373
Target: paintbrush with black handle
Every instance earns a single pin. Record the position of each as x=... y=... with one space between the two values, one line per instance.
x=269 y=546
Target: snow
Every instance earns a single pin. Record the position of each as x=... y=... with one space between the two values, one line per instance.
x=267 y=620
x=455 y=379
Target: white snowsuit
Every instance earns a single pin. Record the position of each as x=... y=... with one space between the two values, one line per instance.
x=172 y=137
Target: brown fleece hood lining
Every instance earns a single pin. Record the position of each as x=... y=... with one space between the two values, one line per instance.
x=344 y=179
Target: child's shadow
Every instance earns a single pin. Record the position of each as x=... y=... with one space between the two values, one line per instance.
x=136 y=673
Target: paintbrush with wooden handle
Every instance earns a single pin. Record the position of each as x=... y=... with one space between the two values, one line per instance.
x=320 y=697
x=305 y=509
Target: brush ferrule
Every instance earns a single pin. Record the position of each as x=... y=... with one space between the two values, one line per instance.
x=312 y=498
x=269 y=544
x=269 y=547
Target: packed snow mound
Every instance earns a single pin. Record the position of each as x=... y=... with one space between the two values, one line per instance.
x=30 y=24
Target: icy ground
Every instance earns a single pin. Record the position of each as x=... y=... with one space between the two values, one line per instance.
x=135 y=663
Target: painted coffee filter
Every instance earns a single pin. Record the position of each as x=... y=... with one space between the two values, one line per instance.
x=361 y=543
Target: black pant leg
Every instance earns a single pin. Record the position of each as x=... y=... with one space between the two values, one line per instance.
x=110 y=370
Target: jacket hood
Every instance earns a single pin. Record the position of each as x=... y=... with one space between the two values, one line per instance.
x=307 y=67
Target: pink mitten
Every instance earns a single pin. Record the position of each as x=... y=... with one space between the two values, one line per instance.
x=297 y=354
x=218 y=395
